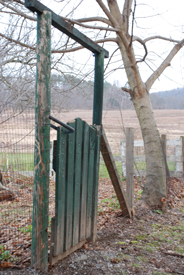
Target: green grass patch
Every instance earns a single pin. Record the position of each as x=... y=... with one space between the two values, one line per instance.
x=26 y=229
x=4 y=254
x=103 y=172
x=18 y=161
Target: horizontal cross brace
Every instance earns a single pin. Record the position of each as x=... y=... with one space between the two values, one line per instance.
x=66 y=28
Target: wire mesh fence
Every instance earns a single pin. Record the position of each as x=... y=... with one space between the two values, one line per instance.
x=17 y=141
x=16 y=165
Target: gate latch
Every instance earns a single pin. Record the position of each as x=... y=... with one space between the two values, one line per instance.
x=70 y=129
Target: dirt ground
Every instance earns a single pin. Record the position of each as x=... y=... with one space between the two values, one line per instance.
x=151 y=243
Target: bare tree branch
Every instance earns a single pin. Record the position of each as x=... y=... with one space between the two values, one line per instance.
x=126 y=14
x=114 y=23
x=109 y=15
x=17 y=42
x=19 y=2
x=138 y=39
x=164 y=65
x=88 y=26
x=133 y=18
x=115 y=12
x=17 y=11
x=160 y=37
x=81 y=47
x=91 y=19
x=110 y=59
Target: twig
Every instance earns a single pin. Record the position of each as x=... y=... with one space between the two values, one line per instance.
x=172 y=253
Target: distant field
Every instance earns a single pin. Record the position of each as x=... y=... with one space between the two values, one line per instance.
x=17 y=133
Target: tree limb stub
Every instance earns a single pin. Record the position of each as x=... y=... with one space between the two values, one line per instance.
x=126 y=90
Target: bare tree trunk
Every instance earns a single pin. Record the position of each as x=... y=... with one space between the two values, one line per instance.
x=155 y=187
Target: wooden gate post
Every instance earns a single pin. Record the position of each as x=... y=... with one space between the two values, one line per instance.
x=98 y=88
x=39 y=249
x=130 y=166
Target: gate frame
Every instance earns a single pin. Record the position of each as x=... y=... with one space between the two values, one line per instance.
x=39 y=251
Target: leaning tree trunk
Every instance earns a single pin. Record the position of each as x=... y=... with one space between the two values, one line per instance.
x=155 y=187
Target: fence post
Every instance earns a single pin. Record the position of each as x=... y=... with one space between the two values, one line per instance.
x=123 y=155
x=130 y=166
x=98 y=88
x=179 y=156
x=164 y=145
x=39 y=249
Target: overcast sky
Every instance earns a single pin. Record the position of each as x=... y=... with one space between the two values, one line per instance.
x=158 y=17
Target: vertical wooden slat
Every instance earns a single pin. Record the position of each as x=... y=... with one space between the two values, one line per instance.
x=69 y=188
x=95 y=185
x=60 y=191
x=92 y=134
x=84 y=180
x=130 y=167
x=39 y=248
x=77 y=181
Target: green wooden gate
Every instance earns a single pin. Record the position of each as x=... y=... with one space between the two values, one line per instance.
x=76 y=162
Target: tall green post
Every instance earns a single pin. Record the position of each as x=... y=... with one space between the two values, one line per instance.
x=39 y=249
x=98 y=88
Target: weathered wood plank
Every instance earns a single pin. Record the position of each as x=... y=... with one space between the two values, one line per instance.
x=130 y=166
x=84 y=180
x=77 y=181
x=179 y=155
x=55 y=259
x=91 y=164
x=60 y=191
x=113 y=173
x=70 y=188
x=95 y=184
x=39 y=248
